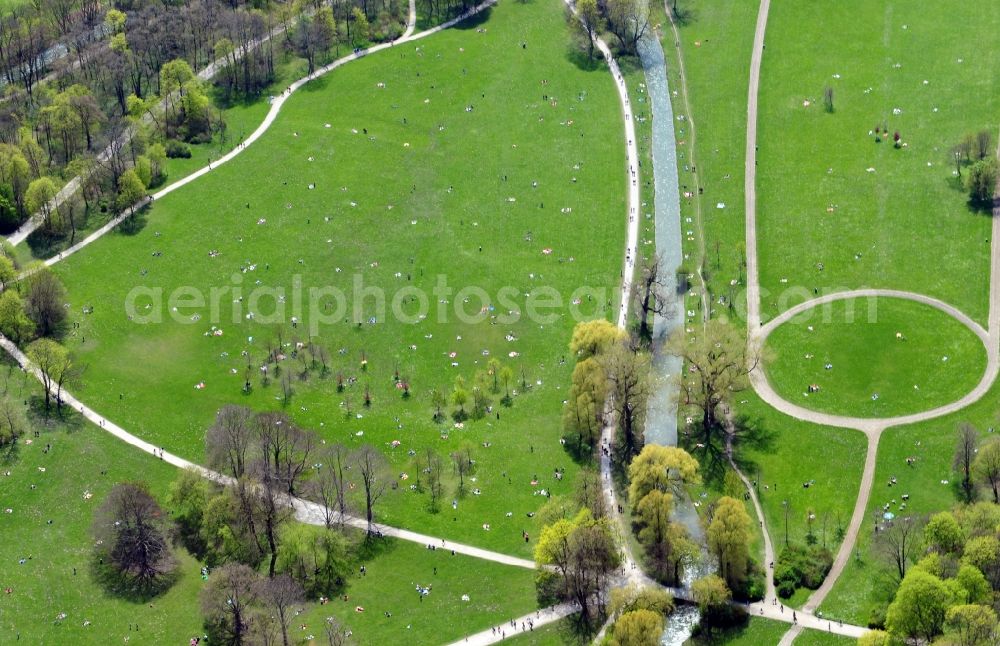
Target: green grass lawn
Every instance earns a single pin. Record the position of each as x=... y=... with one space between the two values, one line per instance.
x=931 y=485
x=837 y=210
x=497 y=593
x=756 y=633
x=937 y=360
x=449 y=198
x=45 y=585
x=559 y=633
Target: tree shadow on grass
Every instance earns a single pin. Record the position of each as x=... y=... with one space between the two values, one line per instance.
x=53 y=418
x=712 y=458
x=135 y=223
x=477 y=20
x=122 y=586
x=583 y=61
x=683 y=16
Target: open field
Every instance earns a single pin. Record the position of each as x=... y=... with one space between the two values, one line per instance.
x=838 y=210
x=449 y=143
x=874 y=358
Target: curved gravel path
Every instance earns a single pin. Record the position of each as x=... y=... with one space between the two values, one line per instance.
x=757 y=333
x=272 y=114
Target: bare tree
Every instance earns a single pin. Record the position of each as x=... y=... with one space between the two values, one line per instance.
x=280 y=594
x=373 y=469
x=650 y=296
x=435 y=470
x=226 y=602
x=131 y=531
x=329 y=485
x=628 y=21
x=336 y=633
x=285 y=449
x=965 y=454
x=462 y=460
x=898 y=541
x=229 y=442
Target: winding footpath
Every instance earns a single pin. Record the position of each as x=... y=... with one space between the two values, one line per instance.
x=871 y=427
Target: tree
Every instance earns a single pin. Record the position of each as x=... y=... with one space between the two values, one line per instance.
x=226 y=602
x=628 y=21
x=584 y=412
x=593 y=337
x=280 y=594
x=285 y=450
x=718 y=362
x=965 y=453
x=229 y=440
x=38 y=199
x=463 y=463
x=329 y=484
x=336 y=633
x=7 y=270
x=130 y=190
x=983 y=552
x=918 y=611
x=373 y=470
x=981 y=180
x=943 y=534
x=53 y=362
x=660 y=537
x=438 y=401
x=876 y=638
x=187 y=499
x=710 y=592
x=637 y=628
x=984 y=144
x=729 y=539
x=898 y=541
x=583 y=552
x=972 y=625
x=591 y=22
x=985 y=467
x=315 y=557
x=661 y=468
x=45 y=300
x=435 y=471
x=628 y=378
x=131 y=532
x=974 y=583
x=12 y=422
x=649 y=295
x=633 y=597
x=361 y=27
x=14 y=321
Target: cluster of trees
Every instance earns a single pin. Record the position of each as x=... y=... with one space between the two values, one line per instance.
x=949 y=595
x=136 y=59
x=134 y=550
x=976 y=152
x=638 y=614
x=656 y=475
x=576 y=550
x=496 y=378
x=978 y=464
x=626 y=20
x=32 y=309
x=242 y=607
x=611 y=375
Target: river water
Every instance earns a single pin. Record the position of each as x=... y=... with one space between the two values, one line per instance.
x=661 y=417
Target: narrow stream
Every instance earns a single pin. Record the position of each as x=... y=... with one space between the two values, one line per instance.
x=661 y=417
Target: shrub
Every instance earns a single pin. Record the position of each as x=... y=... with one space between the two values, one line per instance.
x=178 y=149
x=801 y=567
